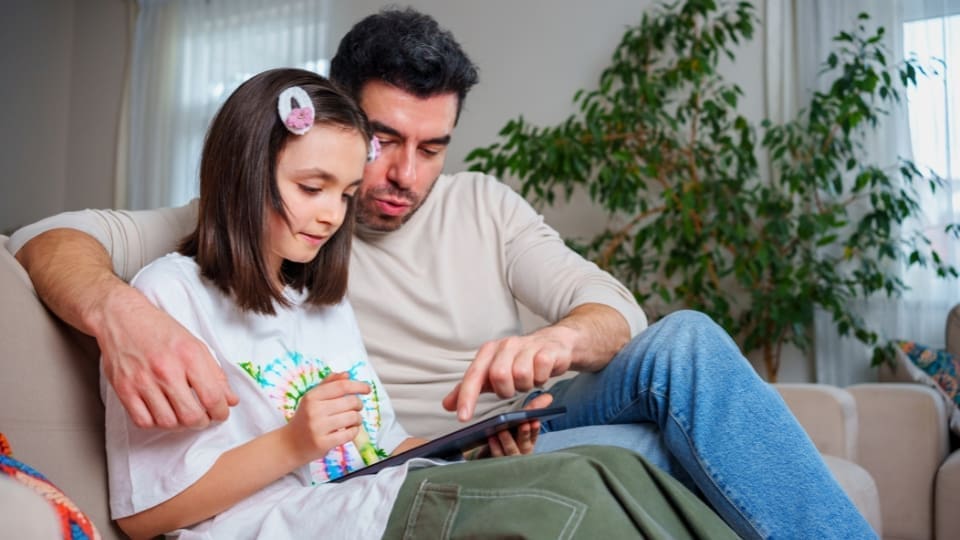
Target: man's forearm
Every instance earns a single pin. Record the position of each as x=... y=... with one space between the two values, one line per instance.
x=599 y=332
x=73 y=275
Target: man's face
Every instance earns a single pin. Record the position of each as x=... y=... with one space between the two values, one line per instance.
x=414 y=134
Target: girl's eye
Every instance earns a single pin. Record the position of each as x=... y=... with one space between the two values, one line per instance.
x=309 y=190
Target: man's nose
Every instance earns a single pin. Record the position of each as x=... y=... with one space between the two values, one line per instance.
x=403 y=169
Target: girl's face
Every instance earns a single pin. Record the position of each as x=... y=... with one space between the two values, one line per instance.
x=317 y=173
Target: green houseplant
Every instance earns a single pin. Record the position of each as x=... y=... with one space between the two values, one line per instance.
x=660 y=145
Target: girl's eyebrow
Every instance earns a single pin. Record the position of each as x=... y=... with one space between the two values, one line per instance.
x=311 y=172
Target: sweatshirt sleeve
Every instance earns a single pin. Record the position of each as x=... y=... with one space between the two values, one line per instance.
x=132 y=238
x=547 y=276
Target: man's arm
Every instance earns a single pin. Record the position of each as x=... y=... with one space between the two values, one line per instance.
x=584 y=340
x=153 y=363
x=593 y=316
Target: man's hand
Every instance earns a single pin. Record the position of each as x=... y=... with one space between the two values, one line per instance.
x=508 y=365
x=163 y=375
x=586 y=339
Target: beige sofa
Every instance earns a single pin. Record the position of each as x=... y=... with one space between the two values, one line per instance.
x=50 y=411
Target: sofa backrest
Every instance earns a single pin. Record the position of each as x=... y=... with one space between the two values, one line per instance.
x=50 y=408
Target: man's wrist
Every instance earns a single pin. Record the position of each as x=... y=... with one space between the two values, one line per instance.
x=112 y=296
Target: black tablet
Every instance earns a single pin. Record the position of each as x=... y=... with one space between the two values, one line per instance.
x=452 y=445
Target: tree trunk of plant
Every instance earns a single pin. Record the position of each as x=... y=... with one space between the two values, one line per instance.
x=770 y=362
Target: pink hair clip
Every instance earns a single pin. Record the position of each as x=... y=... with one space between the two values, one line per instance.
x=374 y=149
x=296 y=110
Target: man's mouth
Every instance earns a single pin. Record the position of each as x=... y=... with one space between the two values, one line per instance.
x=392 y=207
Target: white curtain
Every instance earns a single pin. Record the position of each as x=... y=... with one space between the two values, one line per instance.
x=188 y=56
x=798 y=39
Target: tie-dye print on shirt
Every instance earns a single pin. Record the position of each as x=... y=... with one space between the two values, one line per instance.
x=286 y=379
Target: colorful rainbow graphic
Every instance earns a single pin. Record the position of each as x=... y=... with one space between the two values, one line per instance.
x=286 y=379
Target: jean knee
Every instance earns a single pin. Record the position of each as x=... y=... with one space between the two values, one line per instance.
x=696 y=337
x=688 y=320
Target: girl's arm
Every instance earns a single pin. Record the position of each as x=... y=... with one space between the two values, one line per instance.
x=326 y=417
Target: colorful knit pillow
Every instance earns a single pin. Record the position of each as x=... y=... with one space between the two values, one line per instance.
x=939 y=369
x=74 y=524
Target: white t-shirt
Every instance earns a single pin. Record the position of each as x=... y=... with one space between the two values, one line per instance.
x=270 y=361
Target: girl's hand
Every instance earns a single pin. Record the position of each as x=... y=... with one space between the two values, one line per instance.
x=327 y=416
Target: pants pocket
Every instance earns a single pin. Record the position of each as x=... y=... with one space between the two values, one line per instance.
x=451 y=511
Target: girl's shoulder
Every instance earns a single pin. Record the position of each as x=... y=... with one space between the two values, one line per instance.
x=167 y=270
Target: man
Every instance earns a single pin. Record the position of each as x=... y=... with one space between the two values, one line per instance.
x=440 y=263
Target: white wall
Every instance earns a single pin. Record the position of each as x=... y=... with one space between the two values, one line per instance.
x=63 y=64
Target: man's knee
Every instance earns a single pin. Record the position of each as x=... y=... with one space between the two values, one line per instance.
x=688 y=337
x=690 y=320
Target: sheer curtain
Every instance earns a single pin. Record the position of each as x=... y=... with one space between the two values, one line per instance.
x=188 y=56
x=915 y=131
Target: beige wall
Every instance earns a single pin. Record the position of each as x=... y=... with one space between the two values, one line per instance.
x=62 y=63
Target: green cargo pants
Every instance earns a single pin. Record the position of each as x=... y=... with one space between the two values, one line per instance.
x=583 y=492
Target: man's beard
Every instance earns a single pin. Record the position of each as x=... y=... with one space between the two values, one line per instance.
x=371 y=218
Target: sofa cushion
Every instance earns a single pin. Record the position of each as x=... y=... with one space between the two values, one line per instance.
x=74 y=524
x=937 y=369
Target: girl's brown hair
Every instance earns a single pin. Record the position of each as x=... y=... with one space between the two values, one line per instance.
x=238 y=185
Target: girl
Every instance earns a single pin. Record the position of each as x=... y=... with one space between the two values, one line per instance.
x=261 y=282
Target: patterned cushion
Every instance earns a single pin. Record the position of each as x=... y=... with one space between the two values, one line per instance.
x=73 y=523
x=938 y=369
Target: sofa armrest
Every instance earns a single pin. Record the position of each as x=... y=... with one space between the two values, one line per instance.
x=903 y=441
x=946 y=516
x=15 y=267
x=828 y=414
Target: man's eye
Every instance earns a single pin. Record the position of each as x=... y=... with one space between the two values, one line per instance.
x=430 y=151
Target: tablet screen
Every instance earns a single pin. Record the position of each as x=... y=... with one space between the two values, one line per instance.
x=452 y=445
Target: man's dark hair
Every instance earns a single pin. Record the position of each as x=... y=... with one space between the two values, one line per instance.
x=238 y=187
x=407 y=49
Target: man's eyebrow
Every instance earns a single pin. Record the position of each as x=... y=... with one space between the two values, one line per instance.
x=380 y=127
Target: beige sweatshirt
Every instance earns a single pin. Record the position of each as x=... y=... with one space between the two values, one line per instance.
x=427 y=295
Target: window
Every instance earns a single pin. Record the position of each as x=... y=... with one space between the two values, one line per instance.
x=934 y=116
x=188 y=57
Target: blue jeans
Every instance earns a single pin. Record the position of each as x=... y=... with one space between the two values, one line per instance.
x=682 y=394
